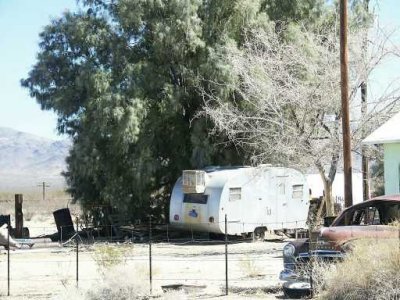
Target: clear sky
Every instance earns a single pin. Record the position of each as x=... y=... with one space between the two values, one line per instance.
x=389 y=20
x=21 y=21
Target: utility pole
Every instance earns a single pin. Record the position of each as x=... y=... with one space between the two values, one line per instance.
x=43 y=185
x=344 y=74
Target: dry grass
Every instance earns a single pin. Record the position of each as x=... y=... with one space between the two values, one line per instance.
x=34 y=207
x=116 y=280
x=396 y=223
x=250 y=267
x=108 y=256
x=370 y=271
x=119 y=283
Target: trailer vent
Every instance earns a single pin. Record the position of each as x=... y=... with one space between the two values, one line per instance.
x=193 y=181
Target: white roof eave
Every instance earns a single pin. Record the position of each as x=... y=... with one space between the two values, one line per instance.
x=388 y=133
x=379 y=142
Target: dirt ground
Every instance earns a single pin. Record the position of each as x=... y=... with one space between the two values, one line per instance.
x=48 y=270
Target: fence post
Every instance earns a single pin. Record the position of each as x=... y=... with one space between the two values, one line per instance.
x=311 y=261
x=226 y=255
x=167 y=233
x=77 y=251
x=150 y=258
x=19 y=216
x=8 y=257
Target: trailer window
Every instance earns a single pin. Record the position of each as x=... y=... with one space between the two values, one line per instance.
x=195 y=198
x=297 y=191
x=235 y=194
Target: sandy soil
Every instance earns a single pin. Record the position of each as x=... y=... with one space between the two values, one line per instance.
x=48 y=270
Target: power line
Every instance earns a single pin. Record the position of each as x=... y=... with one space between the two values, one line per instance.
x=44 y=185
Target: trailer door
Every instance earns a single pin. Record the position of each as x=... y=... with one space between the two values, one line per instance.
x=281 y=201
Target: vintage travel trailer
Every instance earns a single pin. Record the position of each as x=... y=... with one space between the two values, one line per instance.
x=255 y=200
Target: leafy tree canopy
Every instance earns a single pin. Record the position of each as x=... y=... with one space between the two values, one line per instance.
x=124 y=76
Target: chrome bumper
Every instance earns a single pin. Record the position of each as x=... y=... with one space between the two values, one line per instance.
x=287 y=275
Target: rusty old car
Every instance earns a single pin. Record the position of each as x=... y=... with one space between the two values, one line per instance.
x=368 y=219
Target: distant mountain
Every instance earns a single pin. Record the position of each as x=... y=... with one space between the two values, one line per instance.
x=26 y=160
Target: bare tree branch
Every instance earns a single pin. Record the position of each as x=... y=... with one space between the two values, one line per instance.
x=288 y=109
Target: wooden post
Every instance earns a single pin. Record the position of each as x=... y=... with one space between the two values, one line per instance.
x=8 y=258
x=77 y=251
x=226 y=255
x=150 y=259
x=19 y=216
x=344 y=61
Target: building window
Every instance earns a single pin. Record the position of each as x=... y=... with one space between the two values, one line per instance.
x=235 y=194
x=297 y=191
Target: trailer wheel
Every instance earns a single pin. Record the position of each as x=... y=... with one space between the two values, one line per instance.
x=259 y=234
x=216 y=236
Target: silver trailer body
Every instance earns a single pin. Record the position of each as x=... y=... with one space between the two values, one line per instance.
x=265 y=197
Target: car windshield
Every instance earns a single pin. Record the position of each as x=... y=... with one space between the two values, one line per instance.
x=379 y=214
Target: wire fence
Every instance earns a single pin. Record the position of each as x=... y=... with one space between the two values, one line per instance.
x=162 y=257
x=155 y=255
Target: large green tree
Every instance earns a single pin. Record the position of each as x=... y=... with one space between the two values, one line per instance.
x=124 y=78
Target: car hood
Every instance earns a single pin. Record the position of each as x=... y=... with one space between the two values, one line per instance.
x=342 y=234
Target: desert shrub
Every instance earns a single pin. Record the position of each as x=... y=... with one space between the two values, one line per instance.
x=107 y=256
x=250 y=266
x=316 y=271
x=120 y=283
x=120 y=278
x=396 y=223
x=369 y=271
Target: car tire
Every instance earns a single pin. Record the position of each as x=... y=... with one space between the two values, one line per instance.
x=259 y=234
x=296 y=290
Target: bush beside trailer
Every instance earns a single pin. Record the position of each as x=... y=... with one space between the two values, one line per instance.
x=255 y=200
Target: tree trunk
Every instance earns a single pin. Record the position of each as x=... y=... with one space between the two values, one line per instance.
x=327 y=182
x=364 y=108
x=330 y=210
